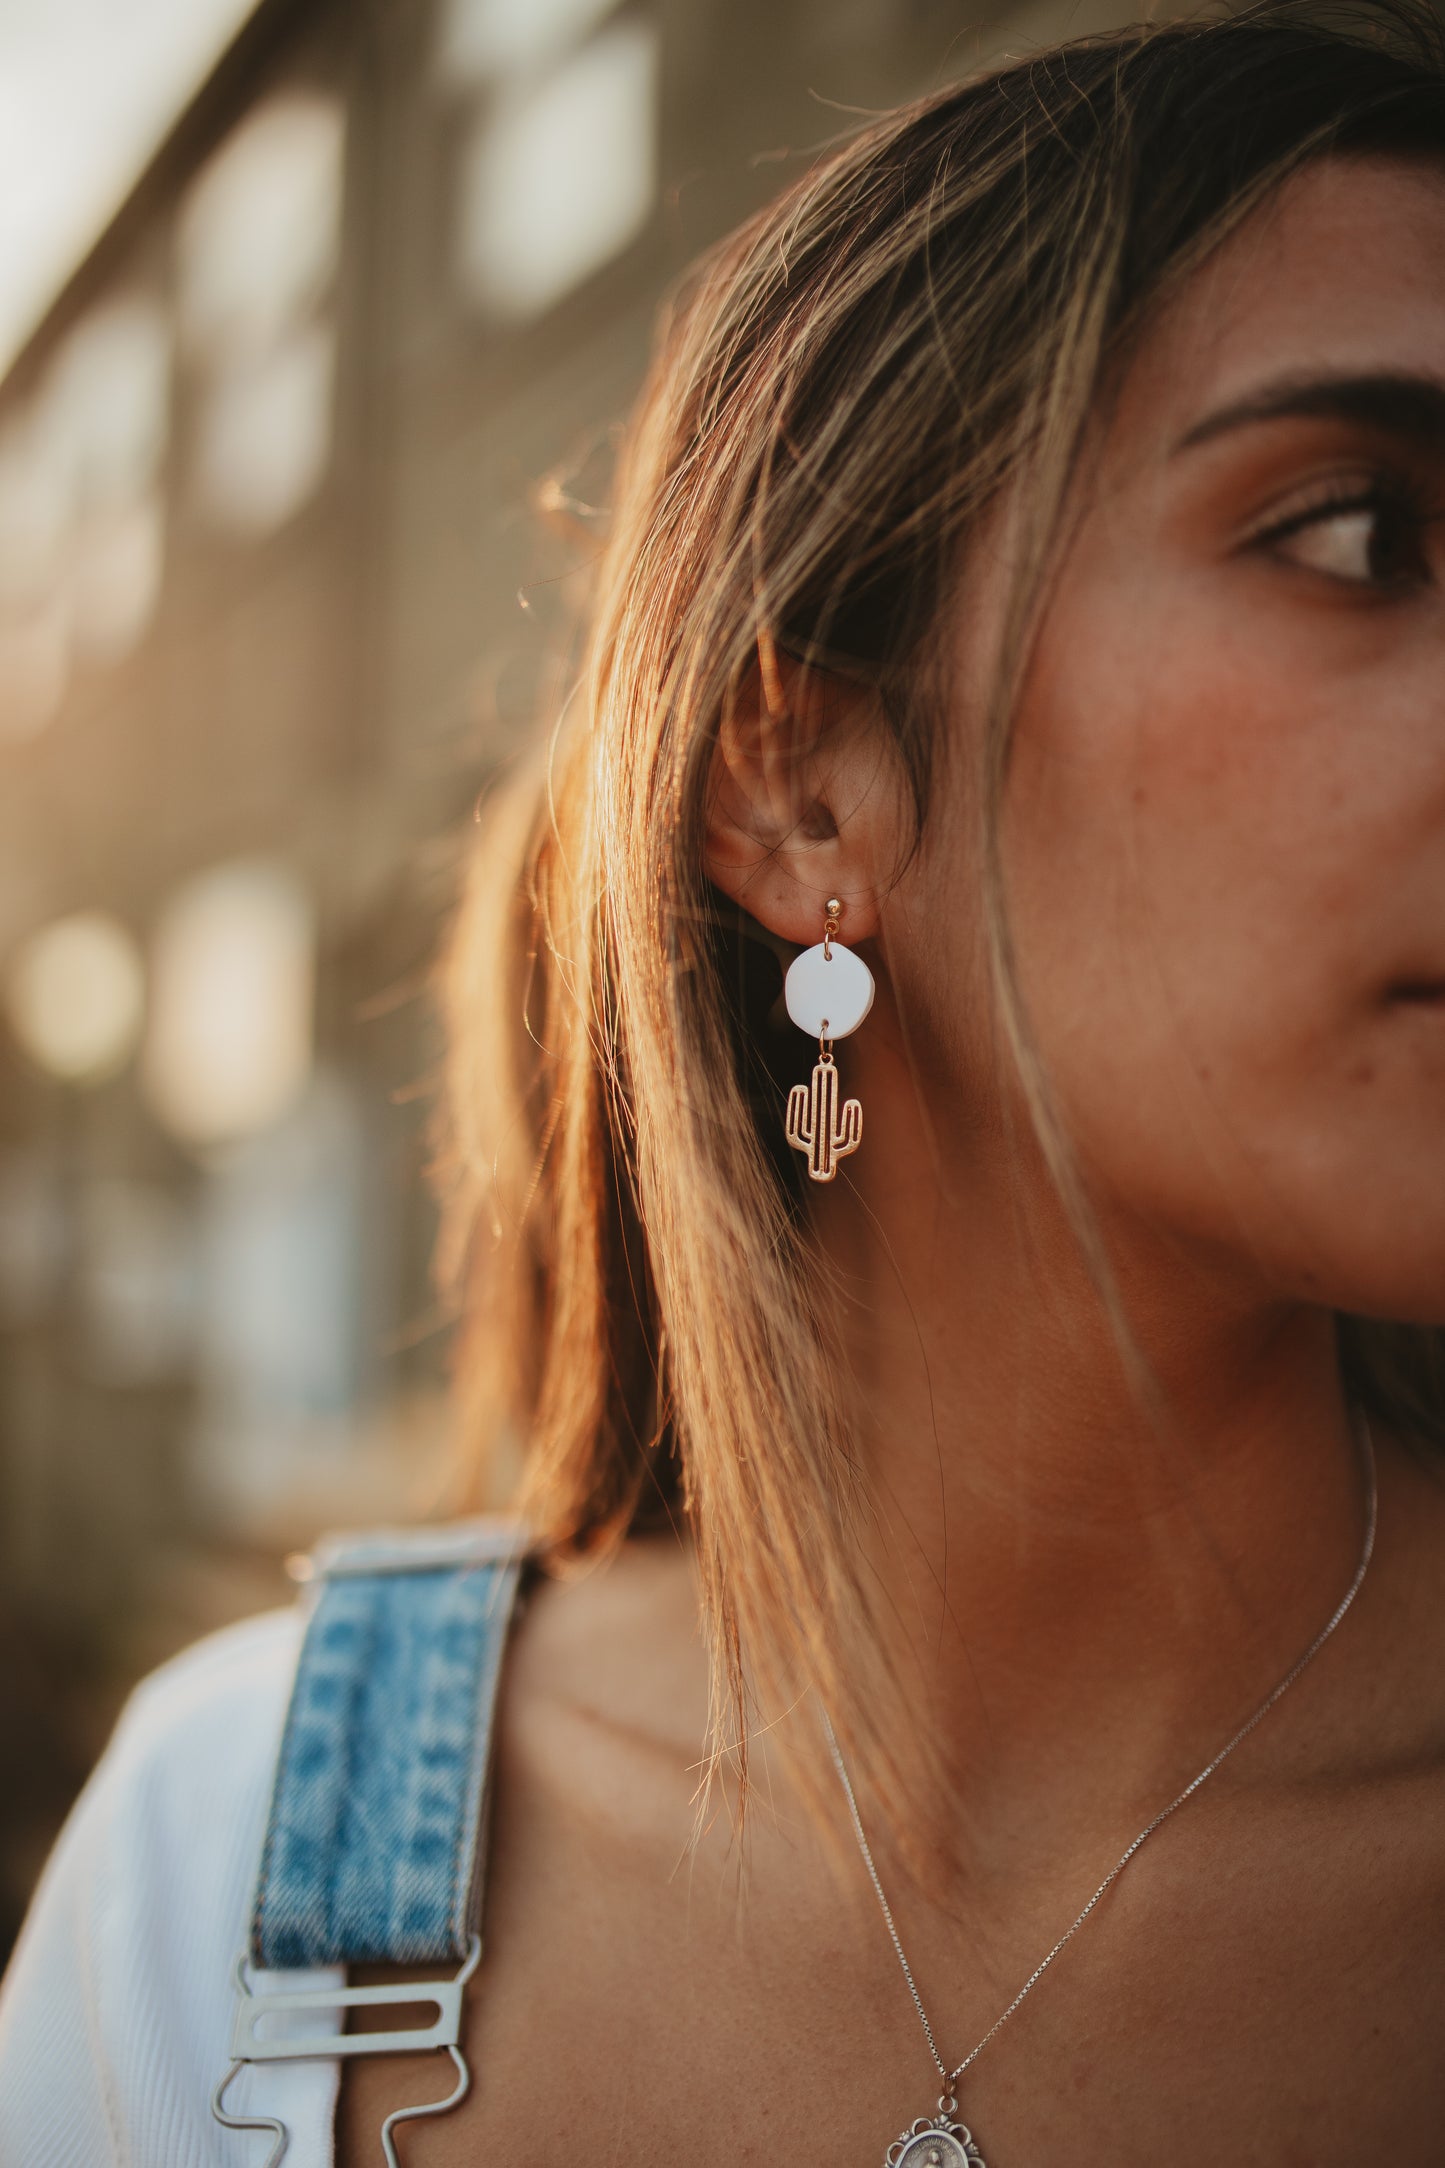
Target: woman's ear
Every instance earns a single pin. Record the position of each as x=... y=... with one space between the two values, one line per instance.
x=803 y=802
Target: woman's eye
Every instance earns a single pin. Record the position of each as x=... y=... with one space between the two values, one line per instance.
x=1369 y=542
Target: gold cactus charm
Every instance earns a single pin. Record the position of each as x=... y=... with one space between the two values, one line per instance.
x=817 y=1126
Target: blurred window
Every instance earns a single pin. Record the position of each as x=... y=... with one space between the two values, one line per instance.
x=109 y=397
x=263 y=448
x=82 y=523
x=259 y=242
x=558 y=163
x=482 y=38
x=282 y=1335
x=104 y=421
x=118 y=556
x=34 y=622
x=229 y=1044
x=75 y=994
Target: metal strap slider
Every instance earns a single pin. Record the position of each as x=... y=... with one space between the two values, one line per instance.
x=250 y=2045
x=247 y=2045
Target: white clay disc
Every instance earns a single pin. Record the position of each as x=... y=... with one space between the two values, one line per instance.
x=828 y=996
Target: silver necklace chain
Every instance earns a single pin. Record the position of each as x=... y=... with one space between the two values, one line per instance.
x=951 y=2077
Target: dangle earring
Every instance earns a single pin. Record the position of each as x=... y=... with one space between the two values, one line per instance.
x=829 y=991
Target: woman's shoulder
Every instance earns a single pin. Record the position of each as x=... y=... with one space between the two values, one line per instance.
x=116 y=2010
x=189 y=1759
x=228 y=1690
x=181 y=1787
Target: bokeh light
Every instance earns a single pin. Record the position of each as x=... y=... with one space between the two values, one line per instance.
x=75 y=994
x=229 y=1044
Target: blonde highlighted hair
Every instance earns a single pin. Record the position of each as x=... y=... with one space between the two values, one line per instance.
x=839 y=392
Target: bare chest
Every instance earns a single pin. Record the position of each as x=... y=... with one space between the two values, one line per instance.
x=1266 y=2008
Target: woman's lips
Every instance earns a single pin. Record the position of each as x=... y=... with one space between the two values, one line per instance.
x=1419 y=993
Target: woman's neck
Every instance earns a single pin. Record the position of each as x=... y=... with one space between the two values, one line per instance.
x=1077 y=1566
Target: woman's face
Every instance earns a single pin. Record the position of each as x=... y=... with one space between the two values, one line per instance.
x=1224 y=827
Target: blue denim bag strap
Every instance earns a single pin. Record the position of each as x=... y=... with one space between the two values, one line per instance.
x=375 y=1835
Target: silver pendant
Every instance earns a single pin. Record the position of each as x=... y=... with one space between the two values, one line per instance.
x=936 y=2143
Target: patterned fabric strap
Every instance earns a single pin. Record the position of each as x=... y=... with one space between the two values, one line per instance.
x=375 y=1832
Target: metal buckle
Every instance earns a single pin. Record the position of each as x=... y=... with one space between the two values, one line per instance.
x=248 y=2045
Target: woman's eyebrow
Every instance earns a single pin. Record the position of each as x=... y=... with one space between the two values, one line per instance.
x=1398 y=402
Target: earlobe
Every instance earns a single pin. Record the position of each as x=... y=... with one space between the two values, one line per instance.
x=788 y=821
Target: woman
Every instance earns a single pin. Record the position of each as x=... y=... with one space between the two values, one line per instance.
x=1028 y=573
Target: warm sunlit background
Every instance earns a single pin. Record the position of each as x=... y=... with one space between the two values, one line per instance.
x=299 y=304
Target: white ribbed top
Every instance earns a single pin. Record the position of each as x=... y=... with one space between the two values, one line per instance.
x=115 y=2014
